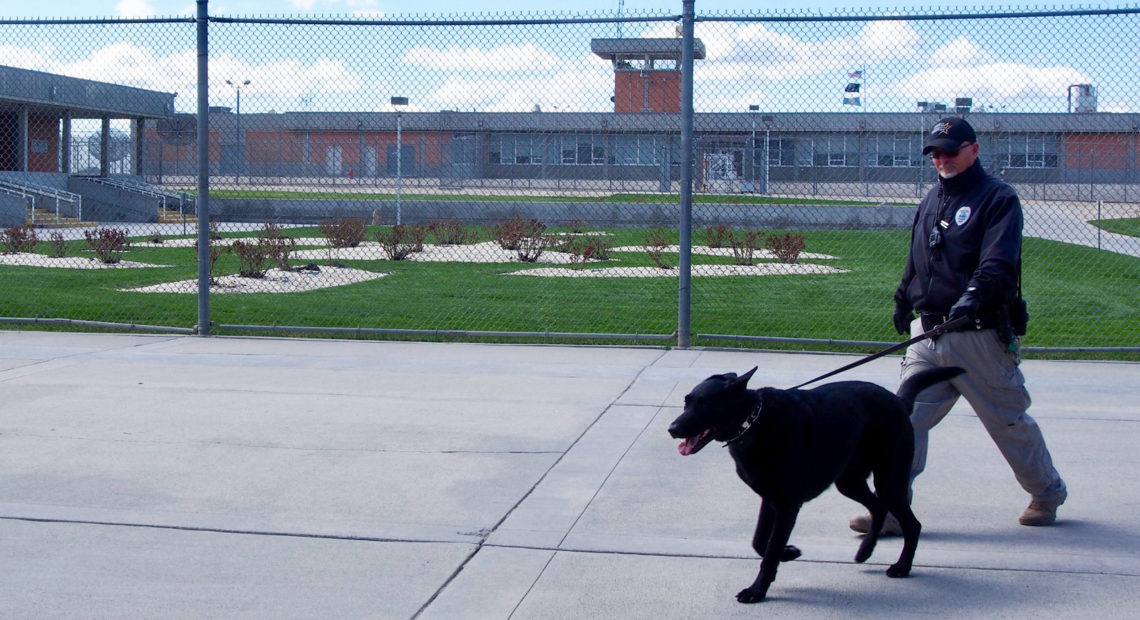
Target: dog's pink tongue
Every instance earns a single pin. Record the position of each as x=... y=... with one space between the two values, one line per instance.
x=689 y=446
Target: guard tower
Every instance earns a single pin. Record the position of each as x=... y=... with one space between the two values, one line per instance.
x=647 y=72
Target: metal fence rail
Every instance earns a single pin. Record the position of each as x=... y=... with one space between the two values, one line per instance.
x=531 y=177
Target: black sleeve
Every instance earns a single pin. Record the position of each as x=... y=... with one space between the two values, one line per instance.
x=995 y=278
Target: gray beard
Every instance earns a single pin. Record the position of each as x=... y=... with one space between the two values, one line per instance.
x=949 y=175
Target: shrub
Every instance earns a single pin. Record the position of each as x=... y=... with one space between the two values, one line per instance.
x=577 y=226
x=451 y=232
x=272 y=231
x=531 y=247
x=786 y=247
x=216 y=251
x=656 y=241
x=253 y=257
x=58 y=245
x=397 y=242
x=509 y=234
x=17 y=239
x=744 y=245
x=109 y=244
x=718 y=236
x=417 y=235
x=155 y=238
x=583 y=249
x=344 y=232
x=279 y=250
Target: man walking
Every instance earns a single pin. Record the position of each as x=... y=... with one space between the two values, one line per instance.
x=965 y=261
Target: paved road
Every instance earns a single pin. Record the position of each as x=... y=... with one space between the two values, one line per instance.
x=187 y=477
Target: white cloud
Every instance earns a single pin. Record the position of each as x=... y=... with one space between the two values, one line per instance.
x=960 y=51
x=585 y=87
x=521 y=57
x=134 y=8
x=990 y=83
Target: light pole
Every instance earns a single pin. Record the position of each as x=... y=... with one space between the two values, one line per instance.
x=767 y=158
x=752 y=110
x=240 y=137
x=399 y=103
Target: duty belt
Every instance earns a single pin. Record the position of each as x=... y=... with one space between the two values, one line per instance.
x=983 y=321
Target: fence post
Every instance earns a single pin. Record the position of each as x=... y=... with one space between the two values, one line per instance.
x=203 y=210
x=684 y=301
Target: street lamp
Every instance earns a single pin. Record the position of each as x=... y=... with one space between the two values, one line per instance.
x=240 y=137
x=752 y=110
x=767 y=158
x=399 y=103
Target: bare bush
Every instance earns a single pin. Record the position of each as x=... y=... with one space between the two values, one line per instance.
x=744 y=245
x=718 y=236
x=586 y=248
x=18 y=239
x=109 y=244
x=656 y=241
x=58 y=245
x=786 y=247
x=253 y=257
x=509 y=234
x=451 y=232
x=398 y=242
x=344 y=232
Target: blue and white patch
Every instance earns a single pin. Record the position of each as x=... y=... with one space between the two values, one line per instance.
x=962 y=216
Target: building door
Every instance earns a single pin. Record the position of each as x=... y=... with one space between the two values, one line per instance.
x=370 y=155
x=334 y=160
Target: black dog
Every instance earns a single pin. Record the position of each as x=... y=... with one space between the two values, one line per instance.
x=790 y=445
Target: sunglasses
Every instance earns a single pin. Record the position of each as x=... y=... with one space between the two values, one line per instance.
x=938 y=153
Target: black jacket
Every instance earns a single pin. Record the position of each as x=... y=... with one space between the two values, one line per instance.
x=979 y=222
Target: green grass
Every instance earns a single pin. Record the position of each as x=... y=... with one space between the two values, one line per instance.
x=1078 y=296
x=611 y=198
x=1124 y=226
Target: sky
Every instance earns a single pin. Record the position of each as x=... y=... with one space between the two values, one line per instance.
x=154 y=8
x=1013 y=65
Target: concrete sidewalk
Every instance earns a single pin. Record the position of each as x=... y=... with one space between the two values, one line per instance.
x=188 y=477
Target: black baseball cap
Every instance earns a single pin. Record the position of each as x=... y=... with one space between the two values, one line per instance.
x=949 y=134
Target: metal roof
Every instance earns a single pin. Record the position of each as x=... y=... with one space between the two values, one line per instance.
x=654 y=48
x=56 y=94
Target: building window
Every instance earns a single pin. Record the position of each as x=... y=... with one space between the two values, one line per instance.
x=781 y=152
x=582 y=149
x=892 y=151
x=835 y=151
x=1026 y=151
x=636 y=150
x=515 y=148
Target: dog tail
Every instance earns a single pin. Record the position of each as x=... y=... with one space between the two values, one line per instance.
x=923 y=379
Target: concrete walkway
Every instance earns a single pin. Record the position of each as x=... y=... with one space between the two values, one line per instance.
x=187 y=477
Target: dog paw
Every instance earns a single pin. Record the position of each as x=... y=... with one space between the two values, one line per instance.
x=751 y=595
x=866 y=548
x=898 y=570
x=790 y=553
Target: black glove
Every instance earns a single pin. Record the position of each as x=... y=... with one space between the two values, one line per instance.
x=903 y=316
x=967 y=306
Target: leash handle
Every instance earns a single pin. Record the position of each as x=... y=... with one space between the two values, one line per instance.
x=937 y=330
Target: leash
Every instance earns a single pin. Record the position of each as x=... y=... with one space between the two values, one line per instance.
x=937 y=330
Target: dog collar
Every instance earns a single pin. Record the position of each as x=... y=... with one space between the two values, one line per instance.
x=748 y=422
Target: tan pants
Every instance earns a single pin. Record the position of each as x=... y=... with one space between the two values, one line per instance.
x=995 y=388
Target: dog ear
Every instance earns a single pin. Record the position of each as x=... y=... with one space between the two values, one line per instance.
x=743 y=380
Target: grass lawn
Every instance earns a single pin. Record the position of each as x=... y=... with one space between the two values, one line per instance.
x=1078 y=296
x=1124 y=226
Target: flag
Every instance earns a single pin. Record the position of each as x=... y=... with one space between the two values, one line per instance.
x=852 y=87
x=851 y=101
x=856 y=75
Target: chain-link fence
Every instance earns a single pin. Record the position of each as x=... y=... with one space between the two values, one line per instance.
x=521 y=176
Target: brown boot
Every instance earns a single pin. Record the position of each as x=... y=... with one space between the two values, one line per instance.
x=1041 y=512
x=862 y=524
